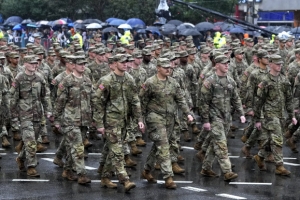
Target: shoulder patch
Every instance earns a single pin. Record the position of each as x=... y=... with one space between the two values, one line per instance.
x=144 y=86
x=207 y=84
x=101 y=87
x=13 y=84
x=61 y=86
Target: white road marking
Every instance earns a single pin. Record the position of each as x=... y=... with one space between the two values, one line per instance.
x=162 y=181
x=99 y=181
x=30 y=180
x=248 y=183
x=94 y=154
x=292 y=164
x=3 y=154
x=184 y=147
x=194 y=189
x=287 y=158
x=1 y=149
x=51 y=160
x=230 y=196
x=241 y=129
x=234 y=156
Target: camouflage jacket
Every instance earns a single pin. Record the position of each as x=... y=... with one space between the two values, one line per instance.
x=248 y=55
x=29 y=101
x=116 y=101
x=139 y=75
x=293 y=70
x=98 y=71
x=73 y=104
x=244 y=80
x=8 y=74
x=58 y=68
x=15 y=70
x=4 y=99
x=46 y=71
x=150 y=68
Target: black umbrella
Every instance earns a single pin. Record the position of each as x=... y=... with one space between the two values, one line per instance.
x=80 y=26
x=175 y=22
x=184 y=26
x=141 y=30
x=16 y=19
x=12 y=24
x=110 y=29
x=189 y=31
x=27 y=21
x=204 y=26
x=152 y=28
x=89 y=21
x=168 y=28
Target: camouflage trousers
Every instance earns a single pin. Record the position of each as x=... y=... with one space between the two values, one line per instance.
x=163 y=139
x=133 y=131
x=3 y=131
x=271 y=139
x=252 y=134
x=204 y=139
x=115 y=137
x=30 y=131
x=74 y=148
x=218 y=147
x=295 y=129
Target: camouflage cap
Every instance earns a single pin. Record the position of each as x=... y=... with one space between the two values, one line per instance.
x=107 y=50
x=297 y=51
x=29 y=45
x=99 y=45
x=183 y=54
x=121 y=58
x=216 y=53
x=260 y=37
x=14 y=55
x=276 y=59
x=23 y=50
x=248 y=40
x=97 y=35
x=129 y=57
x=63 y=54
x=290 y=39
x=168 y=40
x=10 y=44
x=79 y=53
x=92 y=41
x=111 y=60
x=156 y=47
x=163 y=62
x=191 y=51
x=175 y=44
x=2 y=56
x=58 y=49
x=146 y=52
x=120 y=50
x=70 y=59
x=80 y=60
x=51 y=53
x=3 y=39
x=190 y=45
x=266 y=40
x=137 y=54
x=148 y=40
x=189 y=38
x=254 y=51
x=182 y=43
x=141 y=42
x=111 y=42
x=15 y=47
x=38 y=51
x=55 y=44
x=238 y=51
x=36 y=35
x=261 y=53
x=282 y=40
x=236 y=40
x=91 y=49
x=159 y=41
x=129 y=46
x=205 y=50
x=30 y=59
x=221 y=59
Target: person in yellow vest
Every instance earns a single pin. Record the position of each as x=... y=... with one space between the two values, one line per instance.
x=78 y=35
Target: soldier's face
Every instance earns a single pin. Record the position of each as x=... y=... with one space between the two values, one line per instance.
x=275 y=67
x=137 y=61
x=192 y=57
x=31 y=67
x=222 y=67
x=14 y=61
x=80 y=68
x=164 y=71
x=265 y=60
x=121 y=66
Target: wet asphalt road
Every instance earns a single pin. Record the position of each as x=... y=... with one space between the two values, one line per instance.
x=250 y=184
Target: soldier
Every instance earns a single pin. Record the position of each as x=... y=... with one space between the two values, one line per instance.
x=60 y=67
x=115 y=98
x=282 y=50
x=146 y=64
x=274 y=98
x=73 y=115
x=23 y=52
x=218 y=94
x=51 y=59
x=37 y=42
x=248 y=50
x=294 y=68
x=160 y=110
x=28 y=105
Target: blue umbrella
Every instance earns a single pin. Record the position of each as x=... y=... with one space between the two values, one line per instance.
x=32 y=25
x=117 y=22
x=110 y=19
x=68 y=20
x=17 y=27
x=237 y=30
x=135 y=21
x=152 y=28
x=141 y=31
x=16 y=19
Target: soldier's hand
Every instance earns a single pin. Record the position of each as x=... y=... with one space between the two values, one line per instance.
x=258 y=125
x=101 y=130
x=243 y=119
x=141 y=127
x=294 y=120
x=190 y=118
x=206 y=126
x=244 y=106
x=250 y=113
x=296 y=111
x=57 y=126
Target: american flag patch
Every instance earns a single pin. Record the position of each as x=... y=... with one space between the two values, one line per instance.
x=101 y=87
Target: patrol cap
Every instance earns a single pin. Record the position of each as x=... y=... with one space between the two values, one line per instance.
x=182 y=43
x=159 y=41
x=99 y=45
x=254 y=51
x=190 y=45
x=183 y=54
x=262 y=54
x=148 y=40
x=70 y=59
x=36 y=35
x=30 y=59
x=15 y=47
x=63 y=54
x=222 y=59
x=55 y=44
x=282 y=40
x=14 y=55
x=29 y=45
x=111 y=60
x=167 y=40
x=146 y=52
x=38 y=51
x=266 y=40
x=297 y=51
x=91 y=49
x=2 y=56
x=238 y=51
x=51 y=53
x=111 y=42
x=58 y=49
x=23 y=50
x=10 y=44
x=189 y=38
x=97 y=35
x=163 y=62
x=249 y=40
x=3 y=39
x=260 y=37
x=129 y=46
x=121 y=58
x=236 y=41
x=129 y=57
x=290 y=39
x=80 y=60
x=175 y=44
x=156 y=47
x=92 y=41
x=276 y=59
x=141 y=42
x=79 y=53
x=191 y=51
x=120 y=50
x=137 y=54
x=205 y=50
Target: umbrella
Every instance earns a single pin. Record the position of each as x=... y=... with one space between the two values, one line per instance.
x=152 y=28
x=12 y=24
x=139 y=26
x=117 y=22
x=204 y=26
x=93 y=26
x=16 y=19
x=43 y=22
x=32 y=25
x=17 y=27
x=59 y=22
x=70 y=24
x=295 y=30
x=217 y=28
x=67 y=20
x=175 y=22
x=110 y=19
x=125 y=26
x=26 y=21
x=160 y=21
x=90 y=21
x=168 y=29
x=78 y=21
x=135 y=21
x=141 y=30
x=189 y=31
x=109 y=29
x=185 y=26
x=79 y=26
x=236 y=30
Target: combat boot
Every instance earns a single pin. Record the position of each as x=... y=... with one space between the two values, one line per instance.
x=180 y=159
x=128 y=185
x=289 y=142
x=31 y=171
x=198 y=146
x=270 y=158
x=87 y=143
x=83 y=179
x=157 y=166
x=69 y=175
x=129 y=162
x=19 y=147
x=45 y=140
x=288 y=134
x=100 y=169
x=201 y=155
x=16 y=135
x=140 y=142
x=244 y=138
x=177 y=169
x=105 y=182
x=246 y=151
x=209 y=173
x=186 y=136
x=134 y=150
x=280 y=170
x=260 y=162
x=56 y=131
x=40 y=148
x=5 y=142
x=233 y=127
x=58 y=161
x=231 y=134
x=21 y=164
x=229 y=176
x=169 y=183
x=146 y=174
x=195 y=129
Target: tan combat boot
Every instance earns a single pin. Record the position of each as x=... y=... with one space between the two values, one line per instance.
x=233 y=127
x=288 y=134
x=180 y=159
x=201 y=155
x=246 y=151
x=129 y=162
x=244 y=138
x=31 y=171
x=128 y=185
x=270 y=158
x=169 y=183
x=134 y=150
x=260 y=162
x=157 y=166
x=45 y=140
x=58 y=161
x=280 y=170
x=68 y=174
x=289 y=142
x=40 y=148
x=186 y=136
x=19 y=147
x=209 y=173
x=229 y=176
x=198 y=146
x=16 y=135
x=105 y=182
x=177 y=169
x=195 y=129
x=87 y=143
x=146 y=174
x=5 y=142
x=21 y=164
x=140 y=142
x=83 y=179
x=56 y=131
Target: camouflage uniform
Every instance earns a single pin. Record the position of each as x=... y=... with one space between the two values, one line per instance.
x=4 y=103
x=149 y=67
